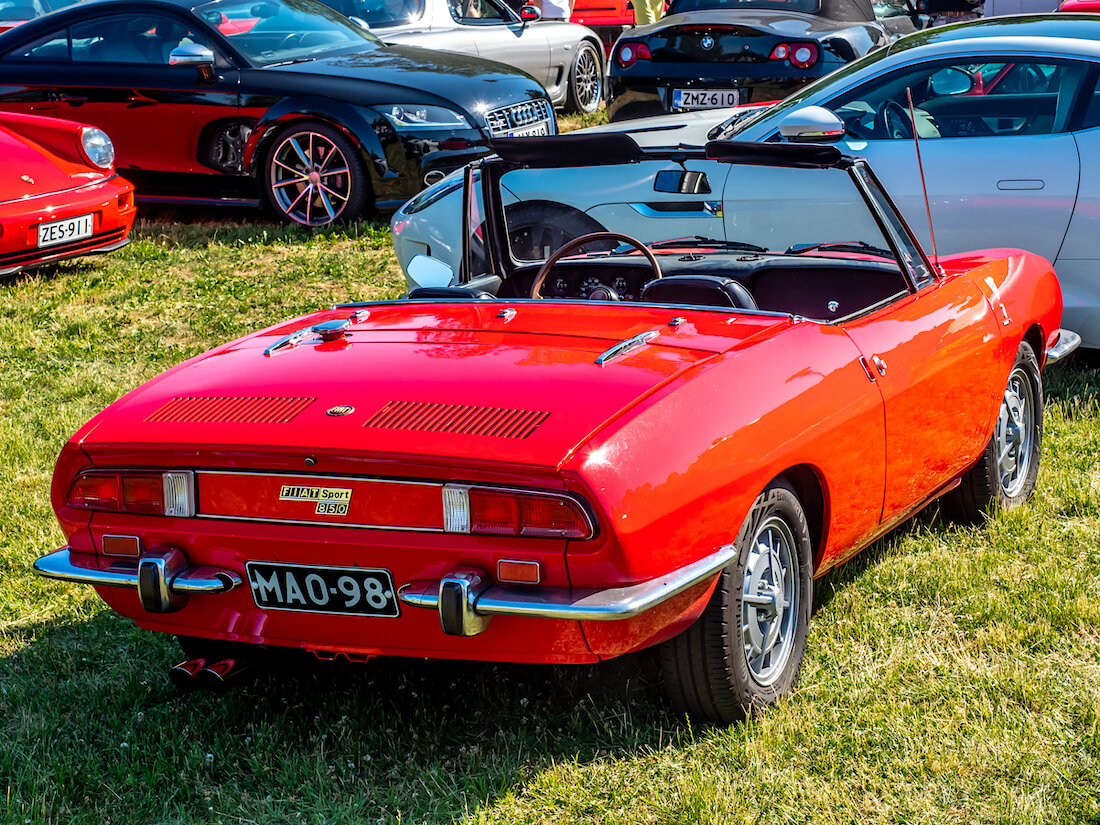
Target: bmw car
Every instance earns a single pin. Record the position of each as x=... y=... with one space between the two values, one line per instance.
x=281 y=100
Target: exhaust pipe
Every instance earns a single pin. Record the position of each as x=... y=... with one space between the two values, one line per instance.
x=220 y=676
x=184 y=675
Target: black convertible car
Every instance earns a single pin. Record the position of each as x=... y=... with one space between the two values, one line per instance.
x=708 y=54
x=285 y=100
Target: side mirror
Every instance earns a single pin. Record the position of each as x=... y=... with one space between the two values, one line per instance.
x=425 y=271
x=682 y=183
x=192 y=54
x=530 y=14
x=950 y=81
x=811 y=124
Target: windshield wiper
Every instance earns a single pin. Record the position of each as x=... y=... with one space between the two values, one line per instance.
x=699 y=240
x=840 y=246
x=289 y=62
x=720 y=130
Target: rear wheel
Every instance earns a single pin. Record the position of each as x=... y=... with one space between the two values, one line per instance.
x=746 y=649
x=585 y=81
x=537 y=228
x=1005 y=476
x=313 y=175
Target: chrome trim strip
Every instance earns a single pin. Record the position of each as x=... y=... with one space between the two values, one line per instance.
x=613 y=604
x=34 y=196
x=627 y=346
x=61 y=564
x=1067 y=342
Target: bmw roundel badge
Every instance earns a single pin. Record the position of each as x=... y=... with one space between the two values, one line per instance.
x=341 y=409
x=707 y=42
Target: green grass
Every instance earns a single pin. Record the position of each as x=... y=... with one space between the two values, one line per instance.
x=952 y=675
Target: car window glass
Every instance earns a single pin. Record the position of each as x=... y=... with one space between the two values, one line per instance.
x=963 y=99
x=132 y=38
x=910 y=253
x=890 y=8
x=1091 y=116
x=381 y=14
x=54 y=46
x=477 y=11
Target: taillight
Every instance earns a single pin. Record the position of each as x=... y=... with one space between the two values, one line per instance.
x=801 y=55
x=630 y=53
x=159 y=494
x=495 y=512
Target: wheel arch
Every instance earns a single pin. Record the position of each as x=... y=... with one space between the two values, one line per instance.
x=810 y=489
x=1035 y=337
x=349 y=120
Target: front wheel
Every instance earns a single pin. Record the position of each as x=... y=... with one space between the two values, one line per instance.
x=1005 y=475
x=313 y=175
x=745 y=650
x=585 y=81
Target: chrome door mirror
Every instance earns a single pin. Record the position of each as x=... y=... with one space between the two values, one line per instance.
x=425 y=271
x=950 y=81
x=811 y=124
x=192 y=54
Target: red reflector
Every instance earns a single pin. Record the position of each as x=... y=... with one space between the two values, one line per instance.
x=122 y=546
x=493 y=513
x=518 y=572
x=143 y=494
x=96 y=491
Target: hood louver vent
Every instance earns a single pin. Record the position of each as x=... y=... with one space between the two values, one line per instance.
x=227 y=409
x=457 y=418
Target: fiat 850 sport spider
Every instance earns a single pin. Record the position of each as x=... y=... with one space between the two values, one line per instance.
x=573 y=459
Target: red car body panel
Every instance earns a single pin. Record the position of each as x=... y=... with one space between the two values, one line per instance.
x=45 y=178
x=667 y=448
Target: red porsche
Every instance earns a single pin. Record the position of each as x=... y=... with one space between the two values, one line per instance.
x=59 y=194
x=572 y=459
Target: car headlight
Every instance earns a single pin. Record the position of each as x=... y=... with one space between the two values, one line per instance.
x=97 y=147
x=408 y=117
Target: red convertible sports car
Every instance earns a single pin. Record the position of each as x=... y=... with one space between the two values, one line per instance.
x=59 y=194
x=530 y=467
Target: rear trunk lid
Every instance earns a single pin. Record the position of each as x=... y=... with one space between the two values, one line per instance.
x=515 y=383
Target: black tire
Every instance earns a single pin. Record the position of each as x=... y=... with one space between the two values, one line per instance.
x=292 y=189
x=1005 y=475
x=537 y=228
x=706 y=669
x=585 y=84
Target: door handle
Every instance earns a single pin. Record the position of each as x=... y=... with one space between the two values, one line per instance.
x=1032 y=183
x=75 y=100
x=880 y=365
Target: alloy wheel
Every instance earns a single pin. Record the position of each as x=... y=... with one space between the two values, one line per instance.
x=769 y=600
x=1015 y=435
x=587 y=80
x=310 y=180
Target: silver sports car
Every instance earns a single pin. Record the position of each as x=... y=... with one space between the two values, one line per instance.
x=1007 y=111
x=565 y=58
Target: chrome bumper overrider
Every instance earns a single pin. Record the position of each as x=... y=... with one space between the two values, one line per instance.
x=163 y=580
x=466 y=600
x=1066 y=343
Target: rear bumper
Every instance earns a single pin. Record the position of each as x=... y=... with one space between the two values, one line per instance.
x=630 y=97
x=465 y=601
x=1064 y=344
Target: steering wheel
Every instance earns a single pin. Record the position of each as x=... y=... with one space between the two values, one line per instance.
x=576 y=243
x=292 y=39
x=892 y=120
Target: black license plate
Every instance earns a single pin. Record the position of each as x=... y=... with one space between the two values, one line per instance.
x=359 y=591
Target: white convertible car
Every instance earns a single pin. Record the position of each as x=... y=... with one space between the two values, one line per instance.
x=1007 y=110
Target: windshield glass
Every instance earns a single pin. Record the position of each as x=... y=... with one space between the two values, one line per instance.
x=281 y=31
x=383 y=14
x=804 y=6
x=801 y=212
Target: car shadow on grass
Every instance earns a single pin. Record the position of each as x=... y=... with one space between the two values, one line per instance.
x=92 y=725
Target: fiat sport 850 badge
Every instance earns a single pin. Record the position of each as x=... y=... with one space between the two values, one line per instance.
x=331 y=501
x=340 y=409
